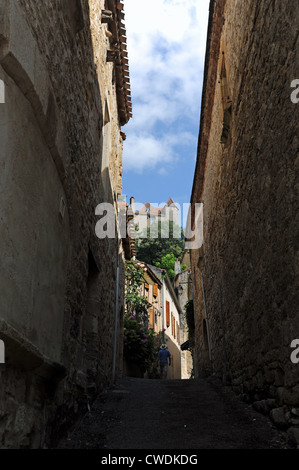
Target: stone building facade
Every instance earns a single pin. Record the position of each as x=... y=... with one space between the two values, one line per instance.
x=65 y=70
x=184 y=288
x=151 y=290
x=148 y=215
x=172 y=315
x=165 y=314
x=245 y=277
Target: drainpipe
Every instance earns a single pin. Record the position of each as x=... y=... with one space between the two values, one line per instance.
x=223 y=335
x=206 y=312
x=163 y=310
x=116 y=314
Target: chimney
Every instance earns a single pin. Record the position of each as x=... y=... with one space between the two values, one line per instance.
x=132 y=204
x=177 y=267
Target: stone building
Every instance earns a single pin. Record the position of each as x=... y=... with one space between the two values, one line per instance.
x=246 y=273
x=149 y=215
x=151 y=289
x=171 y=323
x=184 y=288
x=164 y=313
x=65 y=71
x=172 y=314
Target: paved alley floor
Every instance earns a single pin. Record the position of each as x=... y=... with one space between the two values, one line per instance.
x=191 y=414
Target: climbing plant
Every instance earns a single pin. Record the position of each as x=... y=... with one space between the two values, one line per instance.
x=141 y=344
x=136 y=304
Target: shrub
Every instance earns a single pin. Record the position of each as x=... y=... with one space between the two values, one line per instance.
x=141 y=345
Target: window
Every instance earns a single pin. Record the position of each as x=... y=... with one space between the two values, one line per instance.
x=151 y=318
x=172 y=324
x=226 y=102
x=225 y=93
x=155 y=290
x=74 y=13
x=106 y=146
x=167 y=314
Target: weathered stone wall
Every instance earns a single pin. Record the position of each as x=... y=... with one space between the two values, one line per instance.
x=185 y=294
x=249 y=262
x=58 y=280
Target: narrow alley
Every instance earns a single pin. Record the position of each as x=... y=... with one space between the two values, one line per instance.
x=149 y=224
x=178 y=414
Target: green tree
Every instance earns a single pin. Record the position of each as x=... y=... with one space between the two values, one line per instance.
x=168 y=263
x=136 y=304
x=152 y=250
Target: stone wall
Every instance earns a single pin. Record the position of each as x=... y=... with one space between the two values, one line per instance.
x=247 y=270
x=184 y=296
x=58 y=162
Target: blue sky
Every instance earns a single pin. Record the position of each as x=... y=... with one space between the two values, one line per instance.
x=166 y=46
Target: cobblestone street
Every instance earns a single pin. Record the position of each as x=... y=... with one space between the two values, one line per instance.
x=153 y=414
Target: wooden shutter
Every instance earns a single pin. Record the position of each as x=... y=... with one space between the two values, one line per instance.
x=155 y=290
x=167 y=314
x=151 y=318
x=146 y=286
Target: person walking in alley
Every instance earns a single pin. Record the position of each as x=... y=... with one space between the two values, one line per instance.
x=165 y=359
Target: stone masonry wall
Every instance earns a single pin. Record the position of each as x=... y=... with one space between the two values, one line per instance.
x=249 y=262
x=58 y=87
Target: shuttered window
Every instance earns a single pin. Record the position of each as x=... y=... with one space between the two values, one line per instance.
x=155 y=290
x=167 y=314
x=151 y=318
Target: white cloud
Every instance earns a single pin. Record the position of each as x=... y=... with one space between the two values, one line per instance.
x=166 y=46
x=145 y=151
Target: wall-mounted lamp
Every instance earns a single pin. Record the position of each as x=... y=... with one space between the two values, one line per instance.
x=180 y=290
